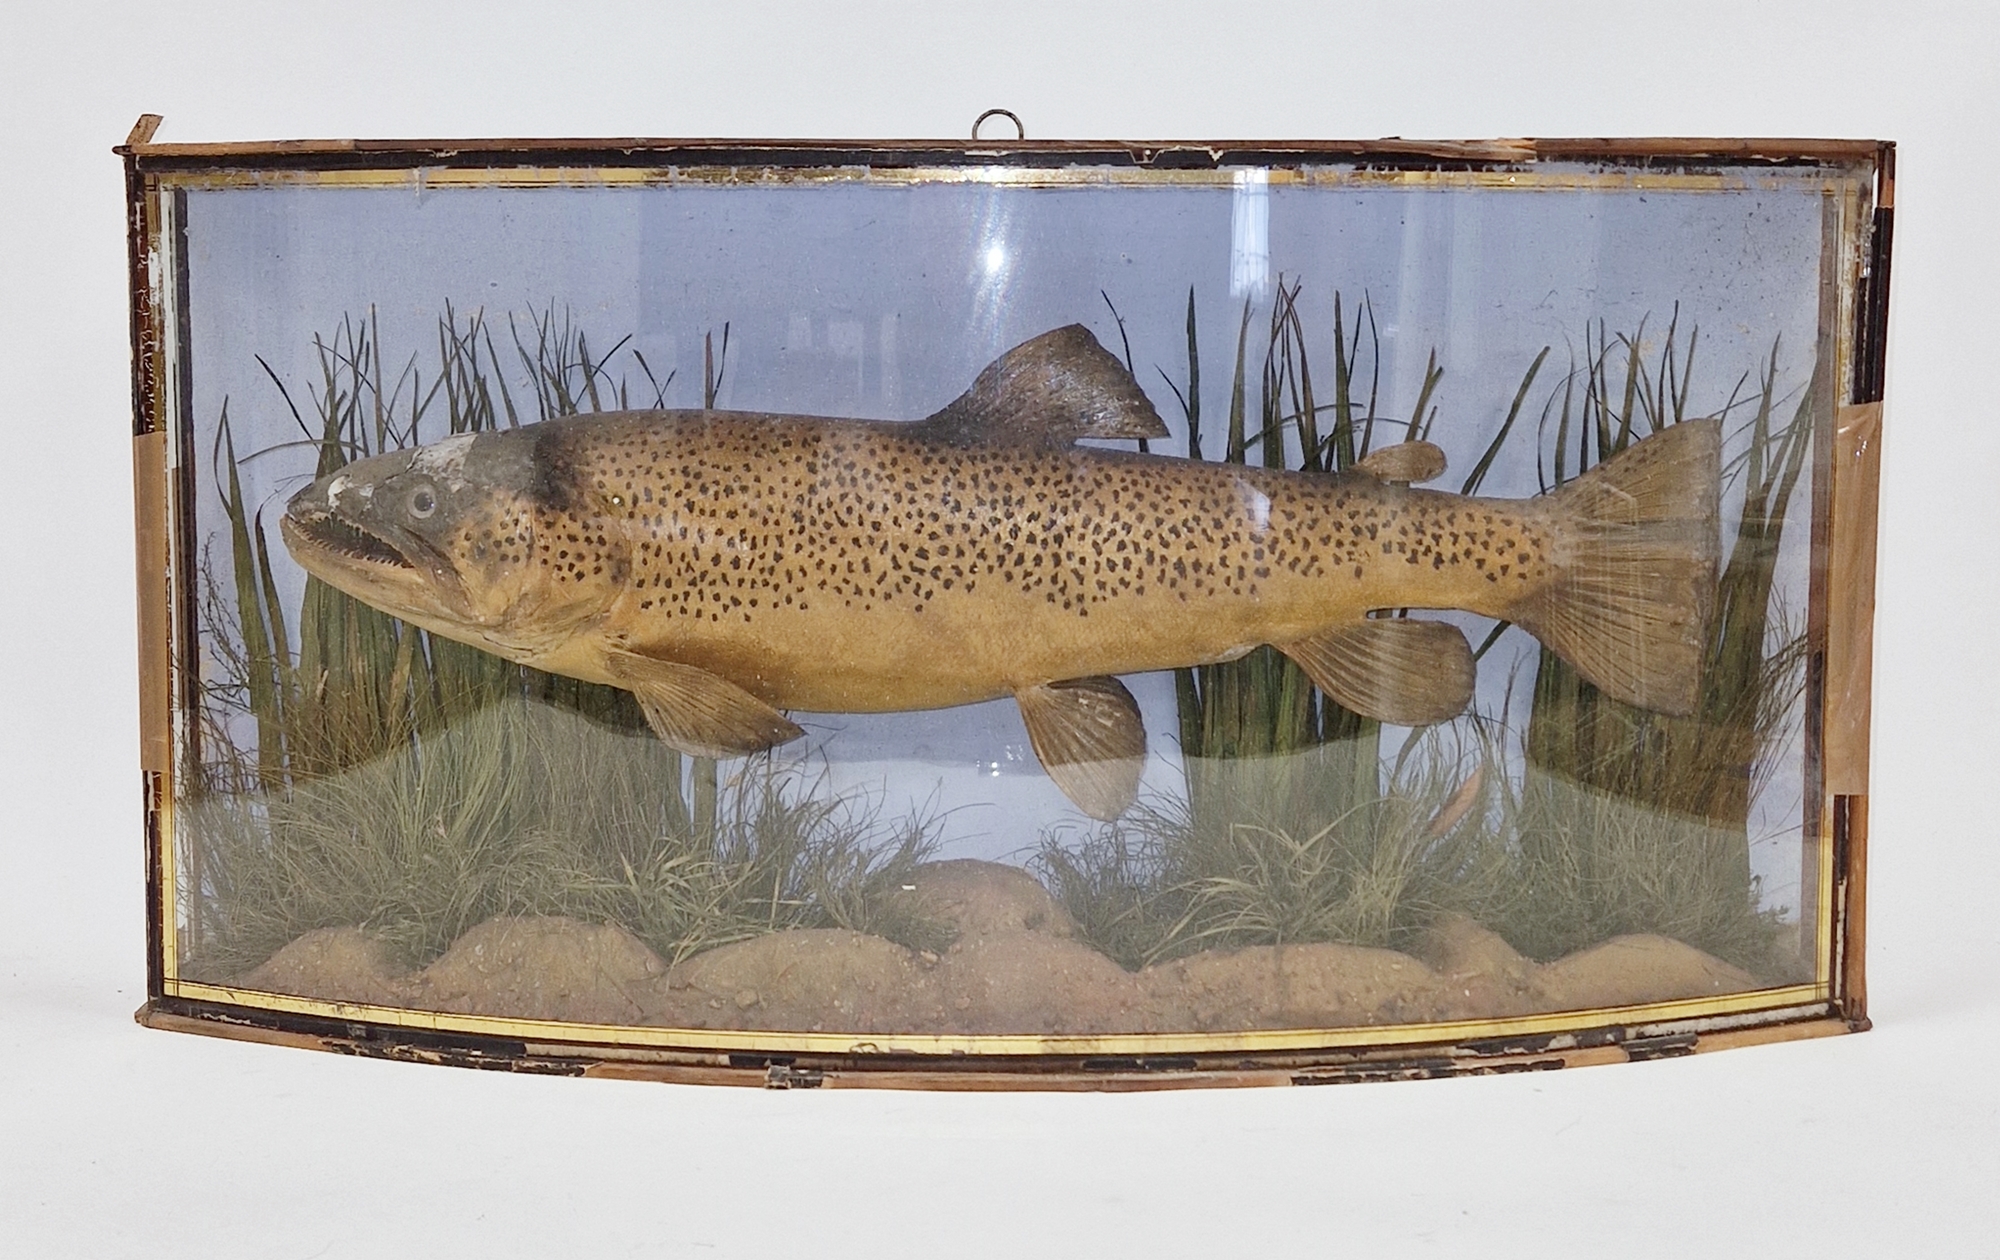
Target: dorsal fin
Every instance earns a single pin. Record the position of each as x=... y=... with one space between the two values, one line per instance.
x=1050 y=391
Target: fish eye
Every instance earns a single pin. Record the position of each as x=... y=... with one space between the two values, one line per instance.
x=423 y=502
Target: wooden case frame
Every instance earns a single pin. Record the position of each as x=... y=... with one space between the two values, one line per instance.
x=1854 y=296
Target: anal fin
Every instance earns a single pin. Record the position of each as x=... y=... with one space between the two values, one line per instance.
x=1090 y=739
x=700 y=713
x=1392 y=669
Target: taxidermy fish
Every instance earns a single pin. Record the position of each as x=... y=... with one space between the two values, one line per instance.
x=725 y=566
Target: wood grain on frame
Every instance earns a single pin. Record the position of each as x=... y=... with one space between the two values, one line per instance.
x=1388 y=1063
x=1392 y=150
x=149 y=492
x=1857 y=463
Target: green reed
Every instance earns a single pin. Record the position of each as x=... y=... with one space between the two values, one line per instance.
x=1262 y=705
x=1591 y=759
x=1171 y=878
x=412 y=784
x=346 y=682
x=1296 y=826
x=1703 y=764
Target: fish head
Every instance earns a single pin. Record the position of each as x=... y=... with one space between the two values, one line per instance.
x=440 y=535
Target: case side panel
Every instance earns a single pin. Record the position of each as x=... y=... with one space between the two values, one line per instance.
x=1850 y=680
x=1816 y=912
x=150 y=497
x=1851 y=596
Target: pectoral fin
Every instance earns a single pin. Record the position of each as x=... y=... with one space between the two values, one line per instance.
x=1390 y=669
x=1407 y=462
x=1089 y=736
x=701 y=714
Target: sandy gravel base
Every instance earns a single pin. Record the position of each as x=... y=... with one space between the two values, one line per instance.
x=1016 y=967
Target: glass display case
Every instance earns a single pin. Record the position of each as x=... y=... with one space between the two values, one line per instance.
x=1095 y=614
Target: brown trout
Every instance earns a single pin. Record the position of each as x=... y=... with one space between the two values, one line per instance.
x=725 y=566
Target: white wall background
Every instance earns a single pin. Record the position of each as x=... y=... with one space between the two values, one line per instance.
x=115 y=1141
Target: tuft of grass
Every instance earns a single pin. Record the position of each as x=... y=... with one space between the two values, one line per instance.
x=524 y=808
x=1167 y=880
x=1592 y=865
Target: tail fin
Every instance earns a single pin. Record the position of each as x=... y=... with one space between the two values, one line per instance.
x=1639 y=541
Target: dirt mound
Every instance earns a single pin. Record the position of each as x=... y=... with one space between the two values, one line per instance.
x=1627 y=970
x=343 y=964
x=977 y=898
x=543 y=968
x=1029 y=982
x=1015 y=967
x=1481 y=975
x=806 y=981
x=1295 y=986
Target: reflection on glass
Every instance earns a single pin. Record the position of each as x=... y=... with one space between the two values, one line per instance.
x=379 y=812
x=1250 y=235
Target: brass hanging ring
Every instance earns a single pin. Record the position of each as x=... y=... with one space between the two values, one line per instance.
x=1021 y=132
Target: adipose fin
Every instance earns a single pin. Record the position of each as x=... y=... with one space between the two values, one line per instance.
x=1406 y=462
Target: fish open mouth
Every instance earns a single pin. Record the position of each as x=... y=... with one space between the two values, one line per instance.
x=350 y=541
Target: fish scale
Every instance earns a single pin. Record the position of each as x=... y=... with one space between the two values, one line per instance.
x=725 y=566
x=789 y=529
